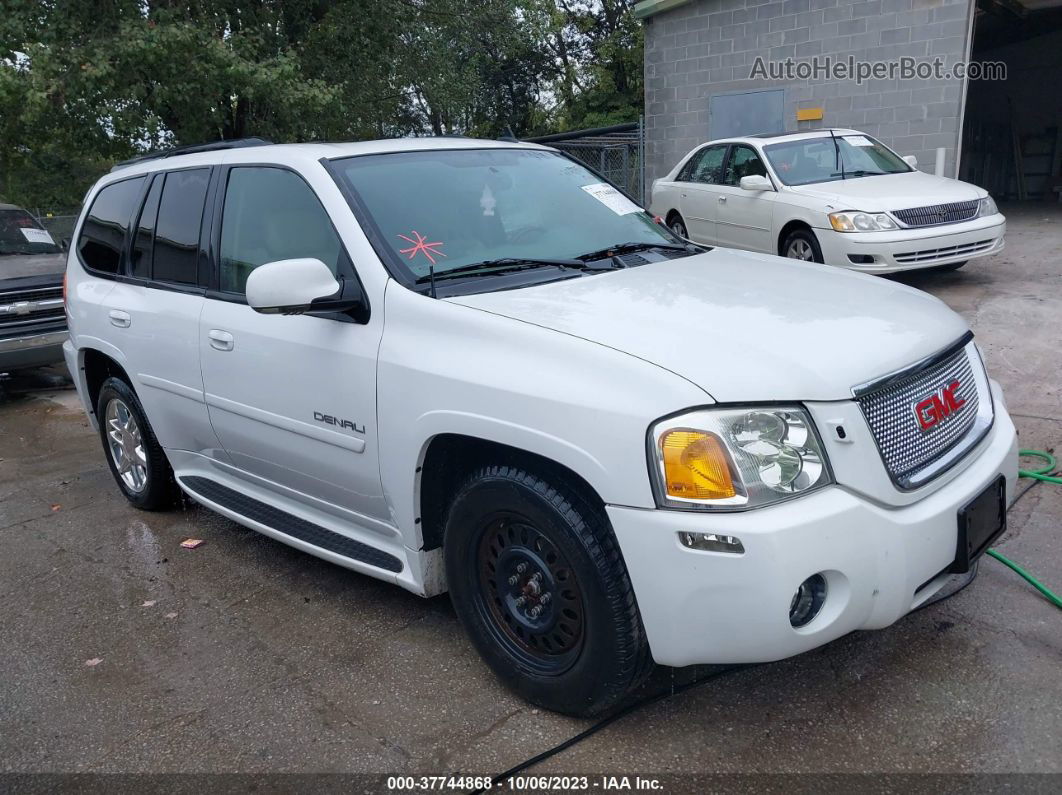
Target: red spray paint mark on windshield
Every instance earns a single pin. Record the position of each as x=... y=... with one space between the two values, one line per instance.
x=421 y=246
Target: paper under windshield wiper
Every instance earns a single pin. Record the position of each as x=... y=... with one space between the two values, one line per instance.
x=626 y=248
x=492 y=266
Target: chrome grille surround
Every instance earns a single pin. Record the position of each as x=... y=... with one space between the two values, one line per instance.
x=913 y=456
x=937 y=214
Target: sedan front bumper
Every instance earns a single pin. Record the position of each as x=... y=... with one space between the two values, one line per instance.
x=913 y=249
x=880 y=562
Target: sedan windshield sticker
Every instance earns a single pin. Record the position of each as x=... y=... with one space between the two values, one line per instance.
x=858 y=140
x=34 y=235
x=612 y=198
x=421 y=246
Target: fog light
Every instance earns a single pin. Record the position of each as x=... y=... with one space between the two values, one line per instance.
x=808 y=600
x=710 y=542
x=861 y=259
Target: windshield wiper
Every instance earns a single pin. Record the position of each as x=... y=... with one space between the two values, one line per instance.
x=627 y=248
x=862 y=173
x=504 y=264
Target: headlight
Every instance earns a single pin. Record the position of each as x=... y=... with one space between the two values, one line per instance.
x=988 y=207
x=735 y=458
x=855 y=221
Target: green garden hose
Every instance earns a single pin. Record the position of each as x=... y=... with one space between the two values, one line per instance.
x=1046 y=473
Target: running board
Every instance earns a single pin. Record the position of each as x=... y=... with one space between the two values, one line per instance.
x=289 y=525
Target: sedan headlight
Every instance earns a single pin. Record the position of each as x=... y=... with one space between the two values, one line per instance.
x=735 y=458
x=987 y=206
x=855 y=221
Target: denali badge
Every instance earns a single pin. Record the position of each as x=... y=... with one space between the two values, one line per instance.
x=328 y=419
x=939 y=406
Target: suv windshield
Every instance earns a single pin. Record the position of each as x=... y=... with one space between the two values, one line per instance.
x=21 y=234
x=503 y=208
x=819 y=160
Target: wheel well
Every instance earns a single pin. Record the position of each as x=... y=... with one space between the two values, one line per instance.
x=671 y=214
x=98 y=368
x=451 y=458
x=789 y=227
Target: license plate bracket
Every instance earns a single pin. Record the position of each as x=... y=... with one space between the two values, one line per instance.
x=981 y=521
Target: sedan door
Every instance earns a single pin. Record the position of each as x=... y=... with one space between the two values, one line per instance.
x=697 y=193
x=292 y=397
x=744 y=219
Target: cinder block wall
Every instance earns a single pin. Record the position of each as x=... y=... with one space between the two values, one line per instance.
x=708 y=47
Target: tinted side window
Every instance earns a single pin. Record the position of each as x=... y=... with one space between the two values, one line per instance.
x=708 y=169
x=176 y=253
x=271 y=214
x=744 y=162
x=103 y=232
x=145 y=231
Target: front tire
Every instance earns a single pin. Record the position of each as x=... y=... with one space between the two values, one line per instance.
x=801 y=244
x=538 y=582
x=136 y=459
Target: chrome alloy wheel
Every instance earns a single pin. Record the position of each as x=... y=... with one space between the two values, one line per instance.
x=126 y=446
x=800 y=249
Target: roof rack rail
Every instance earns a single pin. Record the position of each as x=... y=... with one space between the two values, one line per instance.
x=232 y=143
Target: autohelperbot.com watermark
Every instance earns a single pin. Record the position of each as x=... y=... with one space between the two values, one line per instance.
x=828 y=67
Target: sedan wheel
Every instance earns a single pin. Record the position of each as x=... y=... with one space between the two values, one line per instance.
x=679 y=228
x=800 y=249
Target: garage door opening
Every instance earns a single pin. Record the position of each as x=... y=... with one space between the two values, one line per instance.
x=1012 y=129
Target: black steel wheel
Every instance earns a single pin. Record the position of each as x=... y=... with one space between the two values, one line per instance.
x=531 y=593
x=538 y=582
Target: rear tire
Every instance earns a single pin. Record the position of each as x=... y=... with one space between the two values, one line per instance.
x=538 y=582
x=801 y=244
x=677 y=226
x=136 y=459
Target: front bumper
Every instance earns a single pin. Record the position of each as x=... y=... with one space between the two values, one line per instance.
x=880 y=562
x=32 y=350
x=913 y=249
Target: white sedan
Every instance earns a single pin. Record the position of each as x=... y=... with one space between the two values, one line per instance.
x=839 y=197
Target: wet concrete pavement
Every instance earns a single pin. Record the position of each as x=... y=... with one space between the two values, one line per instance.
x=246 y=655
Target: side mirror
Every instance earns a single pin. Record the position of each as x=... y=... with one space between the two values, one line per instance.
x=304 y=286
x=756 y=182
x=911 y=160
x=64 y=244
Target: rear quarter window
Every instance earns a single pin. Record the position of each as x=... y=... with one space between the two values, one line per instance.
x=102 y=237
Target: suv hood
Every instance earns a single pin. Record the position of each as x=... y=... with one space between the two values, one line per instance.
x=889 y=192
x=14 y=266
x=743 y=326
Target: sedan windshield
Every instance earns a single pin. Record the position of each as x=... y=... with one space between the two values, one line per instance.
x=21 y=234
x=504 y=209
x=831 y=158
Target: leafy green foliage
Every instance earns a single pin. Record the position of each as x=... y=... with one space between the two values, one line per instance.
x=84 y=84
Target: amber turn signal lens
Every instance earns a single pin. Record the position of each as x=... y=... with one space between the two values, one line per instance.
x=696 y=466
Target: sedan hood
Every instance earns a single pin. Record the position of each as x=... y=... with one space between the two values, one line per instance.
x=889 y=192
x=14 y=266
x=743 y=326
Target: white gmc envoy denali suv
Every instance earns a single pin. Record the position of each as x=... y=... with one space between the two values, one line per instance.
x=477 y=367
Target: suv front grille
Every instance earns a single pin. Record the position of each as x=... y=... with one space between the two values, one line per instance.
x=23 y=310
x=935 y=214
x=913 y=455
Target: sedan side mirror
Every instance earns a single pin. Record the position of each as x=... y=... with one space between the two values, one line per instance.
x=304 y=286
x=756 y=182
x=911 y=160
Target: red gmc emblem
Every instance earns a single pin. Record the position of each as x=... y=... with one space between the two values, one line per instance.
x=936 y=408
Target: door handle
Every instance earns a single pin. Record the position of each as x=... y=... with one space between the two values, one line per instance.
x=722 y=199
x=220 y=340
x=683 y=195
x=119 y=318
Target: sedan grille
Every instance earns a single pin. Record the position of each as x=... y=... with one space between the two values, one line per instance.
x=925 y=419
x=936 y=214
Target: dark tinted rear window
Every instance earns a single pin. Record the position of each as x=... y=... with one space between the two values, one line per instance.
x=104 y=230
x=176 y=253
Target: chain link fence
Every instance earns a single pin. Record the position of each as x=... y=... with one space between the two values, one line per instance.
x=59 y=223
x=616 y=152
